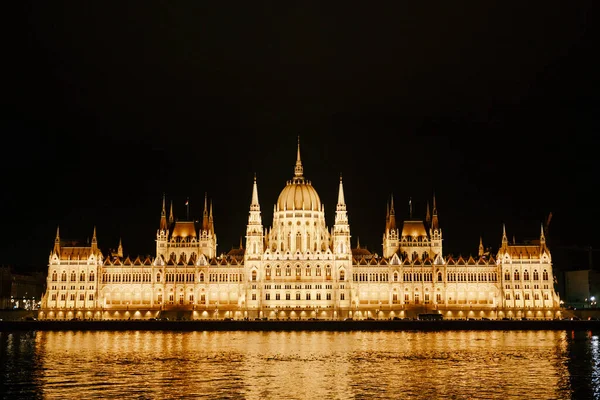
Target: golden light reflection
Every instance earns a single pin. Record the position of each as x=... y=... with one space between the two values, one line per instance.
x=304 y=364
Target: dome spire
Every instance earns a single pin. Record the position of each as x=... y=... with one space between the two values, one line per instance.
x=298 y=170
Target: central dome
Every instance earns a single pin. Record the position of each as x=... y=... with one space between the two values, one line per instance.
x=299 y=194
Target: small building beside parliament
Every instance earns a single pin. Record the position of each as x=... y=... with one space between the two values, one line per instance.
x=298 y=268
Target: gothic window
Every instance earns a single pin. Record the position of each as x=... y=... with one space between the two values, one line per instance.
x=342 y=276
x=425 y=255
x=182 y=258
x=288 y=271
x=526 y=275
x=297 y=295
x=516 y=277
x=63 y=277
x=298 y=241
x=545 y=275
x=318 y=273
x=201 y=276
x=395 y=276
x=507 y=296
x=82 y=276
x=158 y=277
x=298 y=271
x=328 y=271
x=73 y=276
x=439 y=276
x=268 y=296
x=254 y=275
x=54 y=276
x=278 y=271
x=172 y=256
x=506 y=275
x=307 y=271
x=536 y=275
x=415 y=255
x=92 y=276
x=268 y=271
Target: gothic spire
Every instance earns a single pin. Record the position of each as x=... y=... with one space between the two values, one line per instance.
x=298 y=170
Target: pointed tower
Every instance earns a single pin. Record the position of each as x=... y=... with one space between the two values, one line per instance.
x=162 y=233
x=56 y=249
x=481 y=249
x=163 y=216
x=211 y=225
x=254 y=229
x=205 y=221
x=504 y=245
x=120 y=249
x=391 y=235
x=428 y=216
x=435 y=233
x=341 y=228
x=171 y=216
x=94 y=242
x=207 y=241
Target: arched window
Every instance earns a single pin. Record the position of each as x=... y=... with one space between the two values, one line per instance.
x=545 y=275
x=288 y=271
x=268 y=271
x=278 y=271
x=172 y=256
x=526 y=275
x=54 y=276
x=307 y=271
x=82 y=276
x=439 y=276
x=318 y=272
x=506 y=275
x=253 y=275
x=298 y=271
x=182 y=258
x=92 y=276
x=201 y=276
x=63 y=276
x=342 y=276
x=73 y=276
x=517 y=276
x=536 y=275
x=328 y=271
x=158 y=277
x=395 y=276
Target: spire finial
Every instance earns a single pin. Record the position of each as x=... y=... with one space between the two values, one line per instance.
x=298 y=170
x=410 y=207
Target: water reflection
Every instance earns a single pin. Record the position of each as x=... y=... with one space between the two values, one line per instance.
x=300 y=365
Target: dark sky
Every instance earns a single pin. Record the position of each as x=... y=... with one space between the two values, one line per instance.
x=491 y=105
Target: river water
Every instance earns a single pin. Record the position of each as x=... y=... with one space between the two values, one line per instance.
x=300 y=365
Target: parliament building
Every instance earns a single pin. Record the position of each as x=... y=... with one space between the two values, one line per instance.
x=298 y=269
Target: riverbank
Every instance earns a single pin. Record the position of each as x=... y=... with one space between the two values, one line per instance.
x=317 y=325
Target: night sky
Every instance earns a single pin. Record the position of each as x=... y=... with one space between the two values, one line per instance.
x=492 y=106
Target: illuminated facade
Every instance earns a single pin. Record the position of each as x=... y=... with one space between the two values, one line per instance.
x=299 y=269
